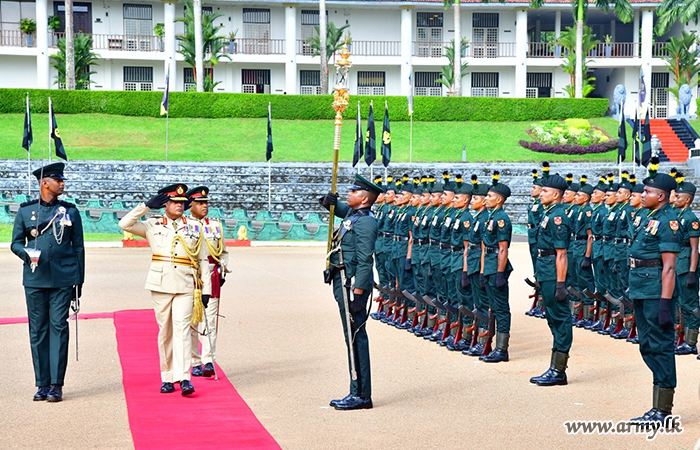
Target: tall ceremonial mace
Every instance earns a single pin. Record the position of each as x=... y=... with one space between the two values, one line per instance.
x=341 y=98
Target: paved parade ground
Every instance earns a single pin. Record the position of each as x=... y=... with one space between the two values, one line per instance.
x=281 y=346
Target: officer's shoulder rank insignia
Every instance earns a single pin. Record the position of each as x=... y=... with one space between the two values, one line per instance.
x=674 y=225
x=501 y=223
x=589 y=213
x=557 y=220
x=695 y=225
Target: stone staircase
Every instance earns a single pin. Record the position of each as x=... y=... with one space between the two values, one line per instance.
x=676 y=136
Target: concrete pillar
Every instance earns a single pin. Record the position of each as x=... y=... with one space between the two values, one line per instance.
x=42 y=45
x=557 y=33
x=520 y=53
x=635 y=33
x=647 y=38
x=169 y=41
x=106 y=66
x=406 y=48
x=290 y=35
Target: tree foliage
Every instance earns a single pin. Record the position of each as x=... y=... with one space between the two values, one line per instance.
x=447 y=77
x=682 y=60
x=568 y=41
x=84 y=58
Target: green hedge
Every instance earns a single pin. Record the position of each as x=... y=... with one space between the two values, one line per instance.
x=300 y=107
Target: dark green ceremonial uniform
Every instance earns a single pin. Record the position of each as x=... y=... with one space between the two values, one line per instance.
x=479 y=296
x=358 y=235
x=449 y=292
x=571 y=272
x=424 y=251
x=554 y=233
x=659 y=232
x=434 y=235
x=600 y=213
x=380 y=248
x=498 y=229
x=622 y=248
x=581 y=225
x=534 y=216
x=418 y=249
x=460 y=230
x=689 y=228
x=610 y=274
x=49 y=288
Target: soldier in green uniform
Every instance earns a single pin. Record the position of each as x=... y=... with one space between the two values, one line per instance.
x=600 y=213
x=389 y=224
x=687 y=264
x=421 y=251
x=637 y=213
x=553 y=236
x=652 y=278
x=48 y=236
x=609 y=280
x=582 y=240
x=473 y=268
x=534 y=215
x=572 y=210
x=434 y=207
x=351 y=269
x=496 y=267
x=621 y=266
x=379 y=207
x=401 y=260
x=411 y=266
x=385 y=213
x=448 y=302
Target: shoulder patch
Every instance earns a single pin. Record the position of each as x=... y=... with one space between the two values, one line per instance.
x=557 y=220
x=589 y=213
x=695 y=225
x=501 y=223
x=674 y=225
x=30 y=202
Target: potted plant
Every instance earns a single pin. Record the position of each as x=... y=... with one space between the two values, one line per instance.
x=159 y=32
x=232 y=41
x=608 y=47
x=55 y=27
x=28 y=27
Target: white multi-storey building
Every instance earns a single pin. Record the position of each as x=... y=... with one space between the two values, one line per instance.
x=510 y=51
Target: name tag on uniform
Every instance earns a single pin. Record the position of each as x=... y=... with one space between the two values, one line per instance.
x=476 y=226
x=579 y=215
x=534 y=208
x=682 y=221
x=456 y=227
x=391 y=214
x=622 y=216
x=545 y=222
x=435 y=220
x=490 y=226
x=611 y=216
x=448 y=221
x=425 y=220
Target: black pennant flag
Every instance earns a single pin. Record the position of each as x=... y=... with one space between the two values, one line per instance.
x=56 y=135
x=370 y=138
x=28 y=137
x=386 y=138
x=268 y=152
x=357 y=153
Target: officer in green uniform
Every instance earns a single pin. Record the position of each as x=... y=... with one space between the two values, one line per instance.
x=389 y=224
x=435 y=252
x=609 y=280
x=385 y=213
x=435 y=192
x=48 y=236
x=496 y=267
x=638 y=212
x=379 y=206
x=687 y=264
x=621 y=266
x=400 y=254
x=652 y=279
x=582 y=244
x=471 y=281
x=553 y=236
x=600 y=213
x=449 y=303
x=572 y=210
x=351 y=268
x=534 y=216
x=420 y=201
x=411 y=266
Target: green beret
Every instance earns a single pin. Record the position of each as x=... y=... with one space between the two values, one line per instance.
x=363 y=184
x=499 y=188
x=556 y=182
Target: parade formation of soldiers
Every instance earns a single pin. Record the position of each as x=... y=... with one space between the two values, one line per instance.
x=619 y=258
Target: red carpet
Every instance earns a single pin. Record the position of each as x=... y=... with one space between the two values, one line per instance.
x=13 y=320
x=214 y=417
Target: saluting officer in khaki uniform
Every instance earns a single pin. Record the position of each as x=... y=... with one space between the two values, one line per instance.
x=213 y=232
x=178 y=250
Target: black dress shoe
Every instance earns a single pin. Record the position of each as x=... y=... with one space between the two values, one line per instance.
x=685 y=349
x=55 y=394
x=449 y=341
x=208 y=370
x=476 y=350
x=645 y=417
x=354 y=403
x=167 y=388
x=555 y=378
x=545 y=375
x=186 y=388
x=340 y=400
x=495 y=356
x=459 y=346
x=41 y=393
x=197 y=371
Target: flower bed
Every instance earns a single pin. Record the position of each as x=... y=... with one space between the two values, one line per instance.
x=571 y=137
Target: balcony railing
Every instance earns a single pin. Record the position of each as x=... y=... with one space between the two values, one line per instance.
x=427 y=49
x=15 y=38
x=602 y=50
x=659 y=50
x=359 y=48
x=246 y=46
x=120 y=42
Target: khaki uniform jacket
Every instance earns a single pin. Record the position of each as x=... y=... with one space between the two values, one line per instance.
x=165 y=276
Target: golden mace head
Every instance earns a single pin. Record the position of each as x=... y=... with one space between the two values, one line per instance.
x=341 y=96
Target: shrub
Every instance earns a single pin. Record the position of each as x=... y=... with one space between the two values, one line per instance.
x=568 y=132
x=566 y=149
x=301 y=107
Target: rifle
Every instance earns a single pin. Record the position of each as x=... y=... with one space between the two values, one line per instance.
x=416 y=313
x=534 y=296
x=491 y=333
x=451 y=312
x=680 y=328
x=475 y=324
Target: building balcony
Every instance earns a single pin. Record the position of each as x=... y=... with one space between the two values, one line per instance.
x=359 y=48
x=246 y=46
x=119 y=42
x=428 y=49
x=16 y=38
x=602 y=50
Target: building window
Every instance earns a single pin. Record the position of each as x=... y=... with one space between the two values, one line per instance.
x=310 y=82
x=309 y=25
x=371 y=83
x=256 y=31
x=429 y=35
x=12 y=13
x=539 y=85
x=255 y=81
x=138 y=78
x=428 y=84
x=189 y=83
x=484 y=84
x=138 y=26
x=485 y=35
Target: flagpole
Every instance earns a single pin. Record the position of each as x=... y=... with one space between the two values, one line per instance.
x=410 y=141
x=167 y=132
x=29 y=160
x=269 y=163
x=50 y=128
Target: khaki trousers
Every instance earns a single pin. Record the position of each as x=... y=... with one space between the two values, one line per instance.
x=207 y=350
x=173 y=314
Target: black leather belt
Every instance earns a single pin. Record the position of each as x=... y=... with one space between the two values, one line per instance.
x=685 y=244
x=420 y=241
x=386 y=234
x=400 y=238
x=474 y=246
x=581 y=238
x=490 y=250
x=444 y=246
x=596 y=238
x=546 y=252
x=457 y=248
x=634 y=263
x=434 y=242
x=608 y=238
x=620 y=240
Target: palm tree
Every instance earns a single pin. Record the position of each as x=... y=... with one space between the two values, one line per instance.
x=623 y=11
x=682 y=60
x=212 y=45
x=457 y=61
x=448 y=77
x=84 y=58
x=334 y=42
x=568 y=41
x=70 y=46
x=671 y=11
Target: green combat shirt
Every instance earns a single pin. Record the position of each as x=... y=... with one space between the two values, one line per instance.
x=609 y=232
x=474 y=251
x=380 y=212
x=498 y=229
x=689 y=228
x=461 y=228
x=581 y=224
x=402 y=226
x=357 y=244
x=624 y=217
x=534 y=216
x=599 y=214
x=553 y=233
x=659 y=231
x=62 y=260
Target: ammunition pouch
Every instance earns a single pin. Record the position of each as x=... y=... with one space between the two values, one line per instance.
x=329 y=273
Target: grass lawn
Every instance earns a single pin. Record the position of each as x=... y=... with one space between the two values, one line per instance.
x=6 y=235
x=105 y=137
